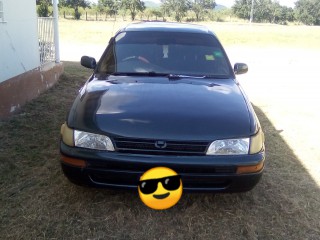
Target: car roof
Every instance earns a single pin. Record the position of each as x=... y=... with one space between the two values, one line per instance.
x=166 y=27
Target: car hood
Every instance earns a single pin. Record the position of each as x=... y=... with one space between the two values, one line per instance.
x=168 y=110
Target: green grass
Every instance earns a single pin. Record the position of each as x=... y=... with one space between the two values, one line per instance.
x=267 y=35
x=259 y=35
x=38 y=202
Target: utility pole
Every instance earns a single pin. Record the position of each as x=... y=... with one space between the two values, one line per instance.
x=251 y=13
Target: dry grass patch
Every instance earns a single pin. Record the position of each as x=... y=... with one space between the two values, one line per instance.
x=259 y=35
x=37 y=202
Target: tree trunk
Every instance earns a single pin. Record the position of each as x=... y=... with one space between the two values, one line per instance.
x=133 y=16
x=197 y=17
x=76 y=13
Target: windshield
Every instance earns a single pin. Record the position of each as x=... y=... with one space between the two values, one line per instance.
x=181 y=53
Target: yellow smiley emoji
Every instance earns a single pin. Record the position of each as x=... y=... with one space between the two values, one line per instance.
x=160 y=188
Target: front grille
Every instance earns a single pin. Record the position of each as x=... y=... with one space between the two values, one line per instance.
x=189 y=182
x=149 y=146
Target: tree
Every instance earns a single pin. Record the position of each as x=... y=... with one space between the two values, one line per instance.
x=75 y=4
x=49 y=2
x=123 y=13
x=264 y=11
x=289 y=13
x=165 y=10
x=241 y=8
x=200 y=7
x=178 y=7
x=308 y=11
x=109 y=7
x=282 y=14
x=149 y=13
x=157 y=13
x=43 y=8
x=134 y=6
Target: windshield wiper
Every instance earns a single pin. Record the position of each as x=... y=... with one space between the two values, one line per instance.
x=170 y=76
x=180 y=76
x=217 y=76
x=147 y=74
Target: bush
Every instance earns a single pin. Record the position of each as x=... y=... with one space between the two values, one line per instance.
x=43 y=9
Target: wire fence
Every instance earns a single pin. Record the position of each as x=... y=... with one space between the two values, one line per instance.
x=46 y=39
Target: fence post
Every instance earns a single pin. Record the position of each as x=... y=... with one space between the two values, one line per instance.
x=86 y=16
x=56 y=31
x=96 y=16
x=64 y=14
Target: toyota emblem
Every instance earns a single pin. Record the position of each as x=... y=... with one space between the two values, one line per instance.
x=160 y=144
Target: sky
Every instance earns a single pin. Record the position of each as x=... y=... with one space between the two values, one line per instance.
x=229 y=3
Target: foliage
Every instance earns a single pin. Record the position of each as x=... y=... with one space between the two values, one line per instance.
x=220 y=15
x=49 y=2
x=264 y=11
x=148 y=13
x=109 y=7
x=152 y=12
x=75 y=4
x=134 y=6
x=201 y=7
x=282 y=14
x=43 y=8
x=123 y=13
x=157 y=13
x=308 y=11
x=178 y=8
x=241 y=8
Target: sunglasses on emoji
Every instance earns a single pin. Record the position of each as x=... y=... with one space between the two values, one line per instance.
x=169 y=183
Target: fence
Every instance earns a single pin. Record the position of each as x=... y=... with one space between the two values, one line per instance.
x=46 y=39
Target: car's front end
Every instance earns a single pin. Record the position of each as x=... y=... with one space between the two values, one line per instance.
x=183 y=110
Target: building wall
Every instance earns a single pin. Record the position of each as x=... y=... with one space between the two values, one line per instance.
x=21 y=76
x=19 y=46
x=16 y=91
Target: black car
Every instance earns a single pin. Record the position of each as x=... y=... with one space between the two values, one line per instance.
x=163 y=94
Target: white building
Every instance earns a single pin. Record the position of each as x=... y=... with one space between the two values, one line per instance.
x=22 y=75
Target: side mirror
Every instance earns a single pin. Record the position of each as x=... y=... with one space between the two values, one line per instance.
x=240 y=68
x=88 y=62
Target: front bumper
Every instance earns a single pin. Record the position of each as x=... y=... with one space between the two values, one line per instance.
x=198 y=173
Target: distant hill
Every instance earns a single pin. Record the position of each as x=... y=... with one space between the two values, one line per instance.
x=150 y=4
x=220 y=7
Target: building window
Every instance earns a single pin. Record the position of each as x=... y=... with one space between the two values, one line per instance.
x=1 y=12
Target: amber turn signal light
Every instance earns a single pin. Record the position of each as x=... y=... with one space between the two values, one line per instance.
x=73 y=161
x=250 y=169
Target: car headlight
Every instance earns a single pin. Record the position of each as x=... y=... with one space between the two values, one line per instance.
x=229 y=147
x=92 y=141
